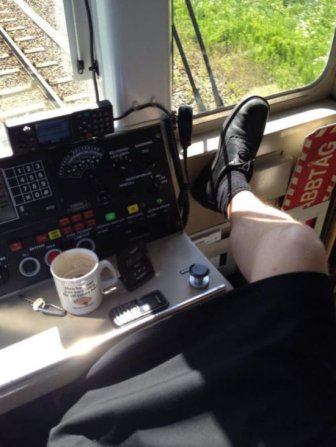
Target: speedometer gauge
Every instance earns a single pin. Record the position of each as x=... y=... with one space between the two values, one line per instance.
x=80 y=160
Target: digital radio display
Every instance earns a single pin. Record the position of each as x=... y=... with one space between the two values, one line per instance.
x=53 y=131
x=7 y=209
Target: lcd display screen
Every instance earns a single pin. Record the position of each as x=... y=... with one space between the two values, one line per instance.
x=7 y=208
x=53 y=131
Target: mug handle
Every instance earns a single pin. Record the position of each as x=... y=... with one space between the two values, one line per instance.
x=108 y=283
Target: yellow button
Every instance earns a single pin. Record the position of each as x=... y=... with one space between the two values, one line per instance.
x=132 y=209
x=54 y=234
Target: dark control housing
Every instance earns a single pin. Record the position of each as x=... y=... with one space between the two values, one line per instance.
x=104 y=195
x=50 y=130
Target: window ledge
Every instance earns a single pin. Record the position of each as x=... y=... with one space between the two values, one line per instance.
x=284 y=131
x=294 y=124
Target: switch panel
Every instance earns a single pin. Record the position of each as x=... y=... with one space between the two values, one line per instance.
x=103 y=195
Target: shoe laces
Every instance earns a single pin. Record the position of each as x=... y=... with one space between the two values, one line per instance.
x=244 y=151
x=245 y=165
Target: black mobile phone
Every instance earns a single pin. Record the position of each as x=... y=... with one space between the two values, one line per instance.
x=150 y=303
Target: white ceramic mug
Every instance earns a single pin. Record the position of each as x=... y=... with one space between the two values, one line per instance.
x=77 y=275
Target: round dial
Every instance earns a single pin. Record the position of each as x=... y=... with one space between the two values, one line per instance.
x=80 y=160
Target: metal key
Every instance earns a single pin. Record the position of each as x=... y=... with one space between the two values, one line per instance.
x=39 y=305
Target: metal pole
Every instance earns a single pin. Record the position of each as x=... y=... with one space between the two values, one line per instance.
x=218 y=99
x=197 y=96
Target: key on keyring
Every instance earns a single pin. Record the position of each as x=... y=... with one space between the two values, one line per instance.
x=39 y=305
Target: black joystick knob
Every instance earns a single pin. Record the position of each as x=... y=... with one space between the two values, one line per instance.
x=199 y=276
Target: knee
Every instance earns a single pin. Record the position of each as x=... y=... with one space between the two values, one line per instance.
x=304 y=247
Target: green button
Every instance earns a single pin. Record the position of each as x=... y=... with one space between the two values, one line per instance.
x=110 y=216
x=159 y=200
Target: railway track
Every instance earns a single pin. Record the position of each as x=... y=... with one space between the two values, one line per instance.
x=35 y=67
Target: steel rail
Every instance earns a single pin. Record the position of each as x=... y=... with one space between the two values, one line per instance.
x=195 y=90
x=41 y=82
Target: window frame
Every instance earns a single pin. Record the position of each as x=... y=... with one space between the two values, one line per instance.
x=324 y=87
x=149 y=22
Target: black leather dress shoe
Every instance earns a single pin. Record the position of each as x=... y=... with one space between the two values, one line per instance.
x=240 y=139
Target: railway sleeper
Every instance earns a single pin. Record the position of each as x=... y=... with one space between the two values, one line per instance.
x=24 y=38
x=37 y=107
x=9 y=71
x=46 y=64
x=58 y=81
x=10 y=29
x=14 y=90
x=76 y=97
x=34 y=50
x=8 y=20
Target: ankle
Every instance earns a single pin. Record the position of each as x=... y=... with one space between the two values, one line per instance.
x=232 y=184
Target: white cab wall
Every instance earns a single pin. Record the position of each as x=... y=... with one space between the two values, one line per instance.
x=134 y=37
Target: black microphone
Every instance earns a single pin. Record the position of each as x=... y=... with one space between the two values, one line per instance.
x=185 y=122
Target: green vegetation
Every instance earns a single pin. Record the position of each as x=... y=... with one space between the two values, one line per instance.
x=265 y=46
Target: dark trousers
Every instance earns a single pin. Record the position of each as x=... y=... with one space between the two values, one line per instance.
x=254 y=367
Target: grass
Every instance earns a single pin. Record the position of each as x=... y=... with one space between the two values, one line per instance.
x=261 y=46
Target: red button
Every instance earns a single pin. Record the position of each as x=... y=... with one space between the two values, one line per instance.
x=76 y=218
x=16 y=246
x=64 y=221
x=88 y=214
x=41 y=238
x=90 y=222
x=79 y=226
x=66 y=230
x=52 y=255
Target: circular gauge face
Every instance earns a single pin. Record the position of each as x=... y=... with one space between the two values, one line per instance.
x=80 y=160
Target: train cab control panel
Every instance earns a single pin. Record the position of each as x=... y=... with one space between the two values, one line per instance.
x=103 y=195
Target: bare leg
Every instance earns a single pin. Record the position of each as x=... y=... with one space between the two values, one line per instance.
x=265 y=241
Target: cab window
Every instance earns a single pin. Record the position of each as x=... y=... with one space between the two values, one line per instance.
x=226 y=49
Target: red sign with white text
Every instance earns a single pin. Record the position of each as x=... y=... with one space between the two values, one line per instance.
x=314 y=176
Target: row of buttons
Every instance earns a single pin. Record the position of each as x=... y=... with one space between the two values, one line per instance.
x=131 y=209
x=74 y=223
x=31 y=266
x=26 y=168
x=71 y=224
x=96 y=122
